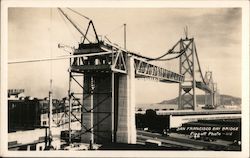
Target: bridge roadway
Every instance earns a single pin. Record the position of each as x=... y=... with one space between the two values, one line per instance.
x=203 y=86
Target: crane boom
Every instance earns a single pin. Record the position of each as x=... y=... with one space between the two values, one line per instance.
x=78 y=29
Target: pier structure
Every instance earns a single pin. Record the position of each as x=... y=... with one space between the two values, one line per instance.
x=107 y=83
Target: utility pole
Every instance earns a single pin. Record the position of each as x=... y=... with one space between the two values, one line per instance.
x=92 y=87
x=124 y=35
x=50 y=91
x=50 y=113
x=69 y=95
x=186 y=32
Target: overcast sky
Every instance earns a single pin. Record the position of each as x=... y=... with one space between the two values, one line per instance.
x=35 y=33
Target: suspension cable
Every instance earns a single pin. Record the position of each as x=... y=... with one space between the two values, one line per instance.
x=169 y=52
x=158 y=58
x=198 y=62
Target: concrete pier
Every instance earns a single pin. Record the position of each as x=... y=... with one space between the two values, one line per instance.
x=112 y=101
x=126 y=130
x=98 y=102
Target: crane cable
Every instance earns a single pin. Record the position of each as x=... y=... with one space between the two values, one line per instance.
x=67 y=26
x=149 y=59
x=80 y=14
x=198 y=62
x=77 y=28
x=57 y=58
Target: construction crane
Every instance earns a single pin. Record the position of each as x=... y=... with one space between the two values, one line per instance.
x=78 y=29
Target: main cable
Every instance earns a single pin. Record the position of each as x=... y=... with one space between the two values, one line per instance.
x=171 y=52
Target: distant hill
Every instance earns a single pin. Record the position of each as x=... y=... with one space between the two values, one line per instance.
x=225 y=100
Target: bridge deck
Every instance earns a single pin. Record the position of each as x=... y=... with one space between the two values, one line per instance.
x=203 y=86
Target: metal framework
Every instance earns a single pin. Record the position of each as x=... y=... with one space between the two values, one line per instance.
x=189 y=65
x=187 y=97
x=89 y=90
x=145 y=69
x=109 y=61
x=89 y=68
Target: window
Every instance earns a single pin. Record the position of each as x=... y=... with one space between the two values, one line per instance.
x=33 y=147
x=13 y=105
x=44 y=123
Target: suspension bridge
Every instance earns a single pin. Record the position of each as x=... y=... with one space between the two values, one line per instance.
x=108 y=91
x=105 y=73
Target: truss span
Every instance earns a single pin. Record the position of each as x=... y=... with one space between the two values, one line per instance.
x=116 y=62
x=145 y=69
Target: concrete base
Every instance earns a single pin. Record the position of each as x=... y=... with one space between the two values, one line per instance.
x=126 y=130
x=113 y=117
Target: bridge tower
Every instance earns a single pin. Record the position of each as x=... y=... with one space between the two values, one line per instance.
x=209 y=96
x=216 y=95
x=187 y=94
